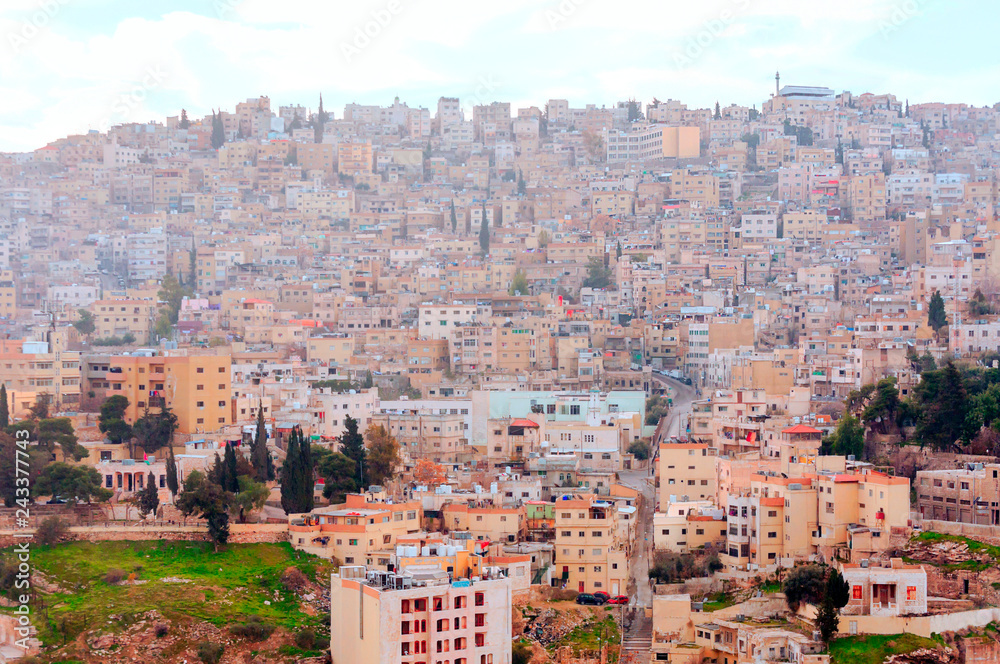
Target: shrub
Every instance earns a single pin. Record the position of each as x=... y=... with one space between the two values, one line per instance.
x=210 y=653
x=305 y=639
x=639 y=449
x=521 y=653
x=161 y=630
x=114 y=576
x=51 y=530
x=254 y=629
x=293 y=579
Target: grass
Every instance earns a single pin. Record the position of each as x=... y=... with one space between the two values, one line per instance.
x=875 y=648
x=589 y=636
x=224 y=587
x=975 y=547
x=717 y=601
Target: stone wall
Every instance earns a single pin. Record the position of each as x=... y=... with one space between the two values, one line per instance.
x=988 y=534
x=239 y=533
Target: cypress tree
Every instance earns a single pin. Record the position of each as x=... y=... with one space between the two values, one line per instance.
x=258 y=449
x=4 y=408
x=291 y=475
x=232 y=483
x=352 y=445
x=172 y=473
x=218 y=131
x=454 y=218
x=308 y=481
x=484 y=233
x=218 y=472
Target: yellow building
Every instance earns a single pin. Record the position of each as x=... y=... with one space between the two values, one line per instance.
x=593 y=541
x=116 y=318
x=197 y=388
x=687 y=469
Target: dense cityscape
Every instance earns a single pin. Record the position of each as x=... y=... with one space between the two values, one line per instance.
x=568 y=382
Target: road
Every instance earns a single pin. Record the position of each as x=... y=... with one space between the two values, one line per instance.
x=644 y=481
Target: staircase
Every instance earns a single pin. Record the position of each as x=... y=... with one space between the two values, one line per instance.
x=638 y=639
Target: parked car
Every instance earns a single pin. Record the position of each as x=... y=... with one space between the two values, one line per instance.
x=603 y=595
x=587 y=598
x=618 y=599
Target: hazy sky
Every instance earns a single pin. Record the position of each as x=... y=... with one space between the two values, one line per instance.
x=67 y=66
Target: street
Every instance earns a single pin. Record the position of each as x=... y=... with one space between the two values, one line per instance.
x=644 y=482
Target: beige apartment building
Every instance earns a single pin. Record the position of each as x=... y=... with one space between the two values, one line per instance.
x=356 y=531
x=116 y=318
x=593 y=541
x=417 y=615
x=686 y=472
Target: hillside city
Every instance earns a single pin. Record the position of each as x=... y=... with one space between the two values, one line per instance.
x=563 y=383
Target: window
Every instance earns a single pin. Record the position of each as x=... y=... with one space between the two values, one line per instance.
x=855 y=592
x=480 y=599
x=911 y=593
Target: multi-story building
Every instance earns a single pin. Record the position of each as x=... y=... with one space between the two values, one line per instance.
x=197 y=388
x=593 y=542
x=418 y=615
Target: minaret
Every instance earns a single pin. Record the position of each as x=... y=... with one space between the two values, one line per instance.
x=777 y=83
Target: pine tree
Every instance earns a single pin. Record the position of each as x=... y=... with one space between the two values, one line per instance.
x=827 y=619
x=217 y=474
x=149 y=497
x=291 y=475
x=258 y=449
x=718 y=111
x=307 y=483
x=484 y=234
x=522 y=187
x=172 y=473
x=231 y=483
x=936 y=316
x=4 y=408
x=454 y=218
x=184 y=122
x=322 y=114
x=218 y=131
x=618 y=250
x=352 y=445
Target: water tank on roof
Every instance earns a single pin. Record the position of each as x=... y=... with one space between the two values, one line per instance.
x=426 y=551
x=400 y=550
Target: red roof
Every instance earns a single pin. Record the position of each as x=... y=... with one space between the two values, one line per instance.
x=524 y=423
x=801 y=428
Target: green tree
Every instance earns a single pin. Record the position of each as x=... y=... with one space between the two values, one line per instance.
x=339 y=473
x=383 y=454
x=292 y=476
x=172 y=472
x=12 y=466
x=618 y=250
x=259 y=454
x=369 y=381
x=598 y=276
x=53 y=431
x=111 y=421
x=154 y=431
x=307 y=483
x=184 y=122
x=519 y=284
x=149 y=497
x=522 y=186
x=218 y=131
x=352 y=445
x=882 y=409
x=251 y=498
x=484 y=234
x=172 y=294
x=74 y=483
x=207 y=500
x=945 y=407
x=804 y=584
x=936 y=316
x=838 y=589
x=454 y=218
x=639 y=449
x=827 y=619
x=4 y=408
x=231 y=483
x=847 y=439
x=718 y=112
x=543 y=238
x=85 y=324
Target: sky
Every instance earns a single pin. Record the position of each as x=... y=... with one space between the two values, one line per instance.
x=70 y=66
